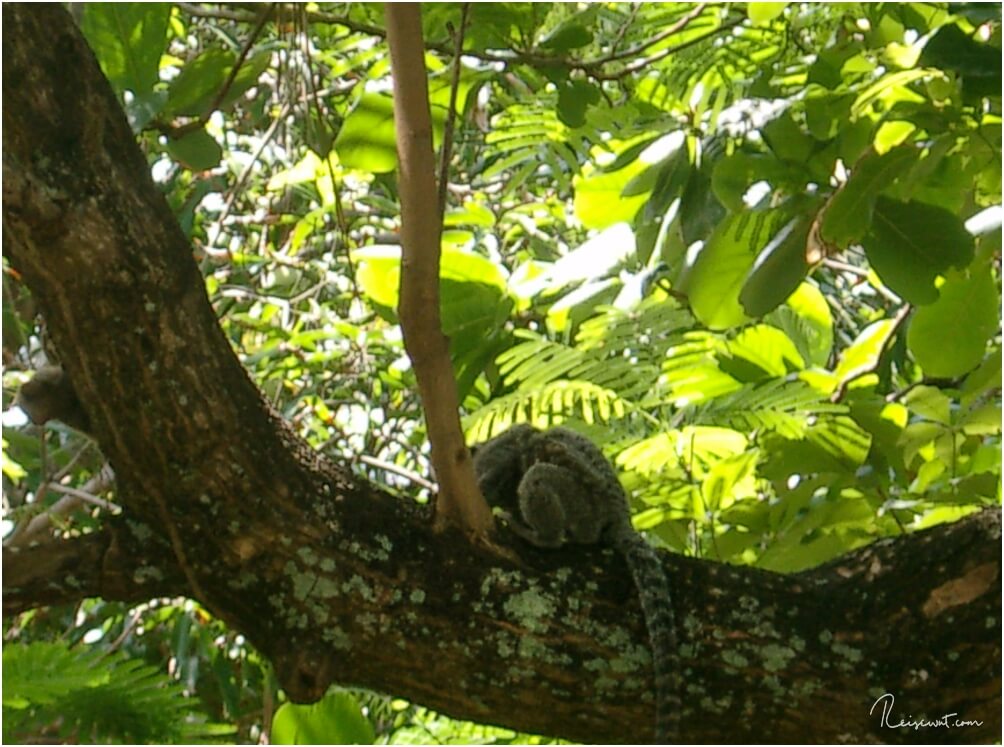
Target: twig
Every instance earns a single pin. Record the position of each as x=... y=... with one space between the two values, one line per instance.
x=445 y=153
x=176 y=133
x=897 y=322
x=239 y=185
x=397 y=470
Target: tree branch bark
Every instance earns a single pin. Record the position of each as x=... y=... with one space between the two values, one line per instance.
x=334 y=580
x=459 y=500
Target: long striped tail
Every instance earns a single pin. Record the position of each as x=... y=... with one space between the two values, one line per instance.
x=657 y=605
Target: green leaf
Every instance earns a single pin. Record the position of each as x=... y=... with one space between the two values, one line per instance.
x=806 y=319
x=849 y=213
x=128 y=40
x=911 y=243
x=598 y=196
x=567 y=36
x=982 y=421
x=930 y=403
x=700 y=211
x=717 y=274
x=202 y=79
x=863 y=354
x=777 y=271
x=979 y=64
x=787 y=139
x=198 y=82
x=732 y=176
x=366 y=138
x=574 y=99
x=763 y=13
x=726 y=476
x=474 y=303
x=196 y=151
x=335 y=719
x=949 y=337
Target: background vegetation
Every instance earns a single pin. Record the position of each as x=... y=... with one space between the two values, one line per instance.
x=752 y=249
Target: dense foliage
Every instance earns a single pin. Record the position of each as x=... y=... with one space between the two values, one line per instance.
x=752 y=249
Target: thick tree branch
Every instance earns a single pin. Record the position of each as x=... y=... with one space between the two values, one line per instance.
x=102 y=564
x=459 y=500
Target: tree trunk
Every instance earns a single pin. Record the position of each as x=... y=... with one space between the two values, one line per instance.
x=334 y=580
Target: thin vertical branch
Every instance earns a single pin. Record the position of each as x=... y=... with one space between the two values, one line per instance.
x=446 y=152
x=459 y=501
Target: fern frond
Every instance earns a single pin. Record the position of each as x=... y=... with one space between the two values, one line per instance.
x=550 y=403
x=95 y=698
x=779 y=405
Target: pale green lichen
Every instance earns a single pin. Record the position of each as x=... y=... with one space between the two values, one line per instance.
x=596 y=665
x=139 y=530
x=776 y=657
x=734 y=659
x=307 y=555
x=146 y=573
x=530 y=610
x=338 y=638
x=358 y=585
x=326 y=588
x=303 y=584
x=851 y=656
x=417 y=596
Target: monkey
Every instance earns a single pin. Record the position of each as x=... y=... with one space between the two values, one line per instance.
x=49 y=395
x=554 y=488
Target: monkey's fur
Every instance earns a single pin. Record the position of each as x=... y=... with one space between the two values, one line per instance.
x=49 y=395
x=555 y=487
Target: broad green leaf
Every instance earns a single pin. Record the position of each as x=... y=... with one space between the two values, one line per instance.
x=715 y=277
x=911 y=243
x=763 y=13
x=930 y=403
x=805 y=317
x=598 y=196
x=849 y=213
x=574 y=99
x=366 y=138
x=979 y=64
x=474 y=304
x=986 y=377
x=202 y=79
x=949 y=337
x=892 y=134
x=335 y=719
x=379 y=275
x=700 y=211
x=919 y=436
x=732 y=176
x=470 y=214
x=826 y=112
x=196 y=151
x=304 y=170
x=727 y=477
x=842 y=438
x=767 y=348
x=983 y=421
x=777 y=271
x=863 y=354
x=128 y=40
x=568 y=36
x=787 y=139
